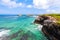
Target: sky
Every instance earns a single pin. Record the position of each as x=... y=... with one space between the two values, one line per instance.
x=29 y=6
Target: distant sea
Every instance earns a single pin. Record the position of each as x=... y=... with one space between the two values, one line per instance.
x=13 y=27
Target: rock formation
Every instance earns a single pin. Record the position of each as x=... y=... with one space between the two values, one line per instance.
x=50 y=28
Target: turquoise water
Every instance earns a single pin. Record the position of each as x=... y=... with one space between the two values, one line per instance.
x=20 y=28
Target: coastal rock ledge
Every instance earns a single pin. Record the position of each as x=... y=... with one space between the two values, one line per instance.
x=50 y=28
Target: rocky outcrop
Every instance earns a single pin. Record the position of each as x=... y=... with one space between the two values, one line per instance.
x=50 y=28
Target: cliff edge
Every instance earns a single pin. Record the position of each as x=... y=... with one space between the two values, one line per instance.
x=50 y=28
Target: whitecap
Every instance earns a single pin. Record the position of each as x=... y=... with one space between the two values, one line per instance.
x=4 y=32
x=39 y=27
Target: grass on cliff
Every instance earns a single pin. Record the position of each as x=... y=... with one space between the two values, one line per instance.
x=57 y=16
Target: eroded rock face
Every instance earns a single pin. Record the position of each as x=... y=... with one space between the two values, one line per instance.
x=50 y=28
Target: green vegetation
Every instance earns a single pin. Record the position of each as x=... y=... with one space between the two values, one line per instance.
x=56 y=16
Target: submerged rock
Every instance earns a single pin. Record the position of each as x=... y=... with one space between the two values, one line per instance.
x=50 y=28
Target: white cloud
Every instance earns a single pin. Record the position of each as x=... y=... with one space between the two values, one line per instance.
x=41 y=4
x=52 y=11
x=54 y=3
x=45 y=4
x=29 y=6
x=20 y=4
x=5 y=1
x=11 y=4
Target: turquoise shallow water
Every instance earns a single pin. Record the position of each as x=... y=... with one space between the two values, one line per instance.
x=20 y=28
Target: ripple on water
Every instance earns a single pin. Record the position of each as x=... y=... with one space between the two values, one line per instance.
x=12 y=26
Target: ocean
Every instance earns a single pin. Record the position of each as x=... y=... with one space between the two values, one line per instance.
x=19 y=28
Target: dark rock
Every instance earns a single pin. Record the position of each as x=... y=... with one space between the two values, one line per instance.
x=50 y=28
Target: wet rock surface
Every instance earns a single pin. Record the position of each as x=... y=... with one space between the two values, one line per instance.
x=50 y=28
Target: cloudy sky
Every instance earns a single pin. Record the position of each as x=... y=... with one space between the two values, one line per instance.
x=29 y=6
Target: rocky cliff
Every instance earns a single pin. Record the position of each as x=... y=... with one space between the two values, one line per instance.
x=50 y=28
